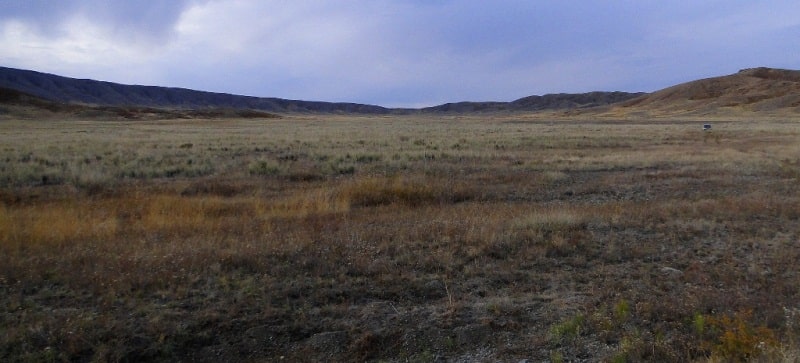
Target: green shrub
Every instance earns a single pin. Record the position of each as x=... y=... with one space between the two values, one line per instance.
x=264 y=168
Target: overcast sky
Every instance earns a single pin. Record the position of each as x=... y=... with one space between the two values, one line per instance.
x=399 y=52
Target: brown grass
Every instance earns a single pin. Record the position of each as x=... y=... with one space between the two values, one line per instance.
x=398 y=239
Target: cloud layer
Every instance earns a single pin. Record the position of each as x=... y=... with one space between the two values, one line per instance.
x=398 y=52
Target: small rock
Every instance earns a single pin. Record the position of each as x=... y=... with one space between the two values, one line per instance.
x=671 y=272
x=435 y=289
x=330 y=342
x=472 y=335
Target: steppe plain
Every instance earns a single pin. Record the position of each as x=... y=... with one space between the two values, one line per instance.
x=486 y=237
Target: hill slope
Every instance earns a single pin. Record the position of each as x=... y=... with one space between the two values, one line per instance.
x=20 y=105
x=762 y=90
x=86 y=91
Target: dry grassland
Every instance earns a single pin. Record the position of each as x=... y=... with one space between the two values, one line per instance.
x=399 y=239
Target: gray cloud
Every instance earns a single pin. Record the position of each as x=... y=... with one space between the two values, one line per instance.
x=398 y=52
x=152 y=19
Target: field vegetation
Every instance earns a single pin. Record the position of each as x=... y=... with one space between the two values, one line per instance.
x=399 y=238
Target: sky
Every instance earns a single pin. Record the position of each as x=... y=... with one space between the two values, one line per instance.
x=399 y=53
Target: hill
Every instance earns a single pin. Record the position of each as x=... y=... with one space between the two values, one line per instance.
x=766 y=91
x=91 y=92
x=16 y=104
x=753 y=90
x=560 y=101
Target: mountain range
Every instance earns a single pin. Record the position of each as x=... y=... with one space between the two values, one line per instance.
x=66 y=90
x=754 y=90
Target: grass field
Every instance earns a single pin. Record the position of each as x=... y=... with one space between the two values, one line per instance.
x=400 y=238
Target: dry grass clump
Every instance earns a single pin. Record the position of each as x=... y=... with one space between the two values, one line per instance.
x=55 y=223
x=555 y=229
x=550 y=221
x=67 y=221
x=310 y=202
x=375 y=191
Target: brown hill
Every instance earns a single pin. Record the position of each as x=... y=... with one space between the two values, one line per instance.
x=761 y=90
x=21 y=105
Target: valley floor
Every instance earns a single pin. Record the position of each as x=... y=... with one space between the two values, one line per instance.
x=336 y=238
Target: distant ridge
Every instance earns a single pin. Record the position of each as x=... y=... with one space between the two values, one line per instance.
x=90 y=92
x=562 y=101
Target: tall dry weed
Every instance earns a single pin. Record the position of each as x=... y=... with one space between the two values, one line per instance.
x=304 y=203
x=56 y=223
x=374 y=191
